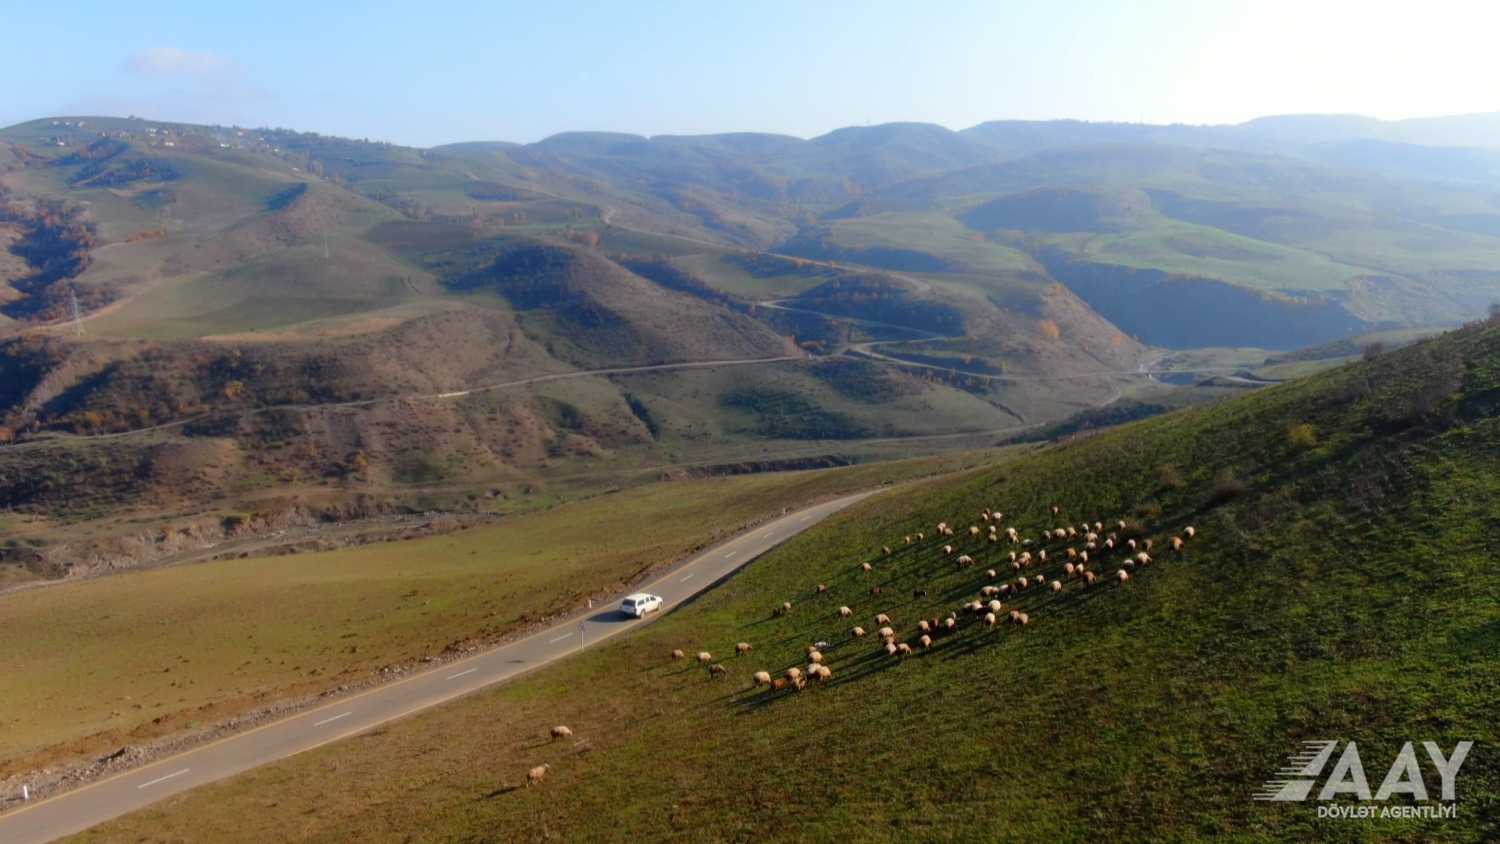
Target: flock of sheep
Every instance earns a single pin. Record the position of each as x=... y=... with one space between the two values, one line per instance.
x=1083 y=550
x=1055 y=560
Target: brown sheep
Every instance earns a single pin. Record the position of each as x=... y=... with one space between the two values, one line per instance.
x=762 y=678
x=857 y=632
x=537 y=774
x=778 y=684
x=845 y=612
x=742 y=648
x=561 y=732
x=705 y=657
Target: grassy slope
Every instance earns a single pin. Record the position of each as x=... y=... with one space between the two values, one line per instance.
x=152 y=652
x=1348 y=592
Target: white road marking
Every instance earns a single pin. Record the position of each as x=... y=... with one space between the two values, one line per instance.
x=462 y=673
x=162 y=779
x=804 y=518
x=560 y=638
x=686 y=577
x=729 y=554
x=331 y=720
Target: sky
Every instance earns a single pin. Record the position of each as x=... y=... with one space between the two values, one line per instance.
x=427 y=74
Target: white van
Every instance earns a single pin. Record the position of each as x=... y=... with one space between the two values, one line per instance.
x=639 y=604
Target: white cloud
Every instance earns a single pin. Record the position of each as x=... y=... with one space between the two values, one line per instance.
x=174 y=61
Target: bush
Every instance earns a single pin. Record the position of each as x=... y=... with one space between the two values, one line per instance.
x=1169 y=476
x=1226 y=486
x=1301 y=436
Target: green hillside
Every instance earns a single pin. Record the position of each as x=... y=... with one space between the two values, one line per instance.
x=1339 y=583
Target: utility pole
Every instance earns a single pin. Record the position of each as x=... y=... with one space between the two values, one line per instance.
x=73 y=308
x=580 y=634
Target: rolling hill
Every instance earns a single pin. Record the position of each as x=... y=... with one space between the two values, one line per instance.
x=1337 y=583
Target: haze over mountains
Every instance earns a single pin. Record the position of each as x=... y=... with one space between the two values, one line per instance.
x=918 y=280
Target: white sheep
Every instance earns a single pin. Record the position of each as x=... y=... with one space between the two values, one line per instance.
x=1177 y=544
x=742 y=648
x=677 y=653
x=890 y=648
x=947 y=549
x=705 y=656
x=561 y=732
x=973 y=530
x=1056 y=586
x=537 y=774
x=1143 y=558
x=882 y=618
x=1023 y=619
x=904 y=649
x=865 y=567
x=924 y=626
x=815 y=657
x=949 y=623
x=996 y=606
x=886 y=633
x=1123 y=575
x=991 y=574
x=1190 y=531
x=845 y=612
x=989 y=619
x=857 y=632
x=762 y=678
x=925 y=641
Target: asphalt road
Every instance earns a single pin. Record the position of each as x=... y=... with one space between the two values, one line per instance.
x=77 y=810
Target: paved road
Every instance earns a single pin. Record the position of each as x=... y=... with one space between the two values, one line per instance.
x=78 y=810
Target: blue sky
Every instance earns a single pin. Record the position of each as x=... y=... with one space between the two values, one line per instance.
x=435 y=73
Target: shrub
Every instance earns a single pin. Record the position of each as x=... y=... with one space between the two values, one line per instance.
x=1301 y=436
x=1226 y=486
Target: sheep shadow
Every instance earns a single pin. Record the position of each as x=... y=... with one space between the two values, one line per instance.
x=500 y=792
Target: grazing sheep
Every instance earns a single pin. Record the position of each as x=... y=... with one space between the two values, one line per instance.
x=974 y=606
x=1005 y=589
x=925 y=642
x=705 y=657
x=876 y=590
x=949 y=623
x=1072 y=532
x=1022 y=583
x=677 y=653
x=886 y=633
x=973 y=530
x=1047 y=535
x=815 y=657
x=866 y=567
x=921 y=535
x=890 y=648
x=1083 y=555
x=1015 y=615
x=886 y=549
x=1177 y=544
x=1023 y=619
x=857 y=632
x=717 y=670
x=1123 y=575
x=1131 y=543
x=822 y=587
x=1041 y=556
x=1056 y=586
x=989 y=619
x=965 y=561
x=778 y=684
x=1148 y=545
x=991 y=574
x=1016 y=566
x=1072 y=554
x=1069 y=569
x=537 y=774
x=904 y=649
x=924 y=626
x=1098 y=526
x=1143 y=558
x=908 y=539
x=1190 y=531
x=988 y=591
x=845 y=612
x=824 y=674
x=1039 y=580
x=561 y=732
x=947 y=550
x=794 y=674
x=882 y=618
x=742 y=648
x=762 y=678
x=1110 y=543
x=1090 y=577
x=996 y=606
